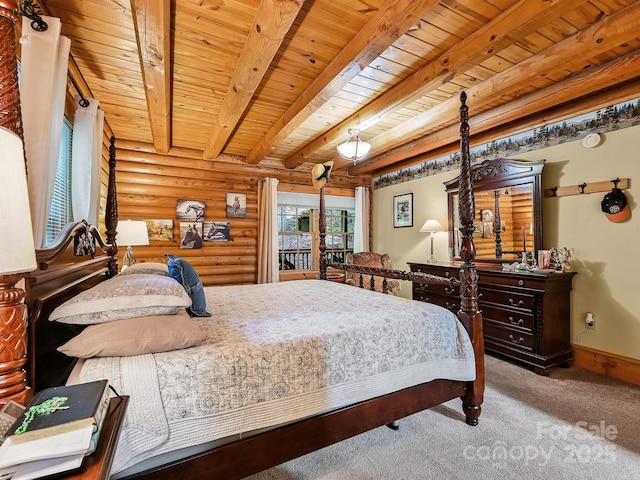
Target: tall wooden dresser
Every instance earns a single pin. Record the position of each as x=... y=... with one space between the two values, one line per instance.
x=526 y=316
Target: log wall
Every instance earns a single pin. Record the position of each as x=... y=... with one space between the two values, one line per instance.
x=149 y=186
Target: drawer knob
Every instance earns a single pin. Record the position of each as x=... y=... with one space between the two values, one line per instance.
x=450 y=306
x=518 y=341
x=513 y=322
x=446 y=274
x=480 y=295
x=521 y=282
x=514 y=304
x=449 y=291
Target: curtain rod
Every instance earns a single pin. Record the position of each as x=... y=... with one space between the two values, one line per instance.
x=83 y=101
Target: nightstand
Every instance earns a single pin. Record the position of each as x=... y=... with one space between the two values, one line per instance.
x=97 y=466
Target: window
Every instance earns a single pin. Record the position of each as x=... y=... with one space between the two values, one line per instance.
x=298 y=238
x=61 y=213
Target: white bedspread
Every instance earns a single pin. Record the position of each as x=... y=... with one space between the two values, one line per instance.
x=276 y=353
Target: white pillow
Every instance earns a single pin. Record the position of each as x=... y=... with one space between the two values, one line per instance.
x=146 y=267
x=126 y=296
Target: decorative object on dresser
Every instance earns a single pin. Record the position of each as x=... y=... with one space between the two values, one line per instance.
x=525 y=315
x=132 y=233
x=431 y=226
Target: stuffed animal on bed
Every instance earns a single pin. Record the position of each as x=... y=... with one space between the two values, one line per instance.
x=182 y=271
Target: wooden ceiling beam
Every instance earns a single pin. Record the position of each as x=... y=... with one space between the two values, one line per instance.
x=599 y=38
x=484 y=43
x=273 y=20
x=391 y=21
x=540 y=107
x=152 y=22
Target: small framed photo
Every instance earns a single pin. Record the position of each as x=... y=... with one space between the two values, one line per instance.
x=191 y=234
x=216 y=232
x=403 y=210
x=190 y=210
x=160 y=230
x=236 y=205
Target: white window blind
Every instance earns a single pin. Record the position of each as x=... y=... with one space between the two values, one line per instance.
x=60 y=213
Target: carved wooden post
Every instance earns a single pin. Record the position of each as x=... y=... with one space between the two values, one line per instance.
x=13 y=312
x=322 y=230
x=10 y=113
x=469 y=315
x=111 y=213
x=497 y=223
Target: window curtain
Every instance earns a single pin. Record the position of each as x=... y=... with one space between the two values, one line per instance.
x=361 y=227
x=268 y=232
x=85 y=161
x=43 y=82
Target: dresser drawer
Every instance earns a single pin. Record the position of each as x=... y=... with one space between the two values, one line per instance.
x=447 y=272
x=439 y=289
x=507 y=298
x=450 y=303
x=511 y=318
x=509 y=336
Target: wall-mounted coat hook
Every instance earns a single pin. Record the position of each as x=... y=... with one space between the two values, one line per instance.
x=621 y=183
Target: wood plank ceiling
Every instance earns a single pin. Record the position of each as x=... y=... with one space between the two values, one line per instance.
x=279 y=82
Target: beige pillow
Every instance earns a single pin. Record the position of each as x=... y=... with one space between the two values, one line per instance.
x=135 y=336
x=152 y=268
x=126 y=296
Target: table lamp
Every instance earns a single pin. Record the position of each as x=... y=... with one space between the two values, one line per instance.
x=131 y=233
x=431 y=226
x=17 y=257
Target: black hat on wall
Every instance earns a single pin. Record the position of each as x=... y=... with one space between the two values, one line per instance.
x=615 y=206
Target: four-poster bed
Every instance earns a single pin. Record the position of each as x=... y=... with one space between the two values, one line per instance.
x=61 y=276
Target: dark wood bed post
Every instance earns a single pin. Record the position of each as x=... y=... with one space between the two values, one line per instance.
x=322 y=230
x=468 y=314
x=111 y=213
x=10 y=113
x=13 y=311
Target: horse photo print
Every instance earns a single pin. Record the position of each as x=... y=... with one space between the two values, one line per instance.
x=216 y=232
x=190 y=210
x=236 y=205
x=191 y=234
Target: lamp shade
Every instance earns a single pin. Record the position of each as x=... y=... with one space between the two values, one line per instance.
x=354 y=149
x=431 y=226
x=132 y=232
x=17 y=251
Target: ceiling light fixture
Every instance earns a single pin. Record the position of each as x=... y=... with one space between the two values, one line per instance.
x=354 y=149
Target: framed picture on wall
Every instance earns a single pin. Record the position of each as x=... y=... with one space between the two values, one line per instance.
x=403 y=210
x=191 y=234
x=236 y=205
x=190 y=210
x=160 y=230
x=216 y=232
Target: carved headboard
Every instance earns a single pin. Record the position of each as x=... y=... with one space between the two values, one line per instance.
x=80 y=259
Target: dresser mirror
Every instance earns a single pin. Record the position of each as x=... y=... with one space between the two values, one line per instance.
x=508 y=211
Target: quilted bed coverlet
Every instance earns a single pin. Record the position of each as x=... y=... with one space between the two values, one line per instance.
x=276 y=353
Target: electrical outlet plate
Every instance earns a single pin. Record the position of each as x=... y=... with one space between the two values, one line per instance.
x=590 y=321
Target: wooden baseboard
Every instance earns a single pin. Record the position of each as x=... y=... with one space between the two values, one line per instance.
x=609 y=364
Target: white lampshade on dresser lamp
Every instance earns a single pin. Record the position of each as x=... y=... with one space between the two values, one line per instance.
x=432 y=226
x=17 y=257
x=131 y=233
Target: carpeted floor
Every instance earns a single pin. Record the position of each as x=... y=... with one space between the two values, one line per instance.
x=573 y=424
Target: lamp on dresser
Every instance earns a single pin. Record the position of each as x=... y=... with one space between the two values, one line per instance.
x=17 y=257
x=432 y=226
x=131 y=233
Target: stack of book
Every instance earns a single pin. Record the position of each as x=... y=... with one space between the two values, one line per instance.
x=59 y=427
